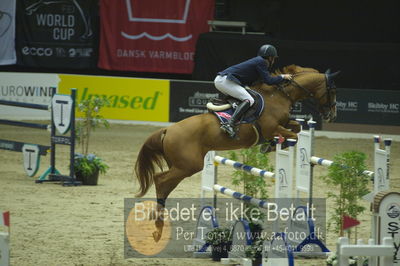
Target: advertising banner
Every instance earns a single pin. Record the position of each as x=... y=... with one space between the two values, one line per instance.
x=28 y=88
x=376 y=107
x=57 y=33
x=306 y=110
x=171 y=101
x=129 y=98
x=7 y=32
x=190 y=98
x=152 y=35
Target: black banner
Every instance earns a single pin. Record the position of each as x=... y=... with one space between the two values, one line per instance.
x=190 y=98
x=368 y=107
x=353 y=105
x=57 y=33
x=307 y=110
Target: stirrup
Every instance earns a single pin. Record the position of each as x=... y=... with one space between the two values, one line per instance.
x=228 y=129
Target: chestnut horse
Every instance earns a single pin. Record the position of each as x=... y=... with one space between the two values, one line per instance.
x=183 y=145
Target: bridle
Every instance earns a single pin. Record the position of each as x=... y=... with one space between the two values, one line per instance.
x=329 y=89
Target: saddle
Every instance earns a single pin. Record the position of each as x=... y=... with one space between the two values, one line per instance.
x=224 y=108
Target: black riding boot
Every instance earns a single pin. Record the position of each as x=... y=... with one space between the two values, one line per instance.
x=230 y=126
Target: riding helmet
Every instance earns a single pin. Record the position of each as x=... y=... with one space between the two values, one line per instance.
x=267 y=50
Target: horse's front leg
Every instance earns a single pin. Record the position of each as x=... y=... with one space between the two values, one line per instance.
x=286 y=133
x=281 y=132
x=294 y=126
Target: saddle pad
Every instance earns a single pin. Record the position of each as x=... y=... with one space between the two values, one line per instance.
x=250 y=116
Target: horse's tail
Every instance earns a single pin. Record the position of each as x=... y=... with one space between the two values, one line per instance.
x=150 y=155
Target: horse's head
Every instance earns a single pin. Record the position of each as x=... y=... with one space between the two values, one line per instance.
x=327 y=102
x=320 y=86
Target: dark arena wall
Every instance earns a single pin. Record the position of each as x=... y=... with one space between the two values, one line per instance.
x=360 y=38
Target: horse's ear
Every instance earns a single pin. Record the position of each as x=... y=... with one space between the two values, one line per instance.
x=333 y=75
x=328 y=71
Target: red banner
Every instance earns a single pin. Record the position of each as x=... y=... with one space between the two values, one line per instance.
x=5 y=219
x=152 y=35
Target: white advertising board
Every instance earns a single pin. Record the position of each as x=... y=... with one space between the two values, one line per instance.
x=28 y=88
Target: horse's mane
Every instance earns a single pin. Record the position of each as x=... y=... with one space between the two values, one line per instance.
x=293 y=69
x=290 y=69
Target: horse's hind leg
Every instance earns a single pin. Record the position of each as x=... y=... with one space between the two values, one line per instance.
x=185 y=157
x=166 y=182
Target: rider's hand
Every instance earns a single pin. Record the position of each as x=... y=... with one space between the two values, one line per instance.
x=287 y=76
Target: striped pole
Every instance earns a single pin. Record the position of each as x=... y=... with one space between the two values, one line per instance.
x=247 y=168
x=240 y=196
x=324 y=162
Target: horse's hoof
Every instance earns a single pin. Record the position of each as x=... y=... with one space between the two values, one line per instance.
x=156 y=236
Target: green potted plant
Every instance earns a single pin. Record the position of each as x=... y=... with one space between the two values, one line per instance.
x=220 y=240
x=256 y=218
x=251 y=185
x=346 y=178
x=350 y=185
x=254 y=251
x=88 y=166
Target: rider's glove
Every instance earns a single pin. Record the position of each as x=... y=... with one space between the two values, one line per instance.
x=287 y=76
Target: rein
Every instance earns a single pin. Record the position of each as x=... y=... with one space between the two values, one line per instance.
x=282 y=88
x=296 y=84
x=330 y=87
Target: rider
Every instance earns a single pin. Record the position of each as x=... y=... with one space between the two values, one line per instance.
x=232 y=81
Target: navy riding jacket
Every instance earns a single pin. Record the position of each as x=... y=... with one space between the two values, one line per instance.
x=250 y=71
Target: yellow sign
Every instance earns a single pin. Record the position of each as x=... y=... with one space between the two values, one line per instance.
x=130 y=98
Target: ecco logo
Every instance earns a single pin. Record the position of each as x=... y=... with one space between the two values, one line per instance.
x=37 y=51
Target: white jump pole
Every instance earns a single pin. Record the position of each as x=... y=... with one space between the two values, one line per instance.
x=247 y=168
x=240 y=196
x=384 y=251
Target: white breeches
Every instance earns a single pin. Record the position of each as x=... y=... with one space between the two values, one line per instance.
x=228 y=87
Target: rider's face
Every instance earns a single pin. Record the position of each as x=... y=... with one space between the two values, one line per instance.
x=271 y=60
